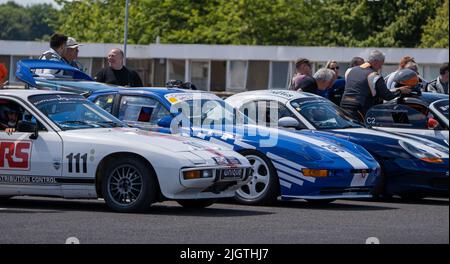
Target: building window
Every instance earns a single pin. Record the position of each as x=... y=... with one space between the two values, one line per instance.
x=279 y=75
x=143 y=67
x=176 y=70
x=159 y=74
x=218 y=76
x=97 y=65
x=237 y=75
x=200 y=74
x=258 y=75
x=86 y=64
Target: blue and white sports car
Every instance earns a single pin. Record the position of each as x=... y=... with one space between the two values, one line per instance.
x=412 y=166
x=294 y=165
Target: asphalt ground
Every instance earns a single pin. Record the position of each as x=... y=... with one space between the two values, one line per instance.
x=47 y=220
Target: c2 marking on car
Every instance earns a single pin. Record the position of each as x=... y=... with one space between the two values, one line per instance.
x=77 y=157
x=15 y=155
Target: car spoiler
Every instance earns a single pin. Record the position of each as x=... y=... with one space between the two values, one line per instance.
x=25 y=70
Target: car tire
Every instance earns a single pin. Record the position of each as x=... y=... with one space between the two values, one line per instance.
x=320 y=201
x=129 y=185
x=264 y=187
x=196 y=203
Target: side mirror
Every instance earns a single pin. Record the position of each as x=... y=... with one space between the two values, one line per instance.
x=165 y=121
x=28 y=127
x=432 y=123
x=288 y=122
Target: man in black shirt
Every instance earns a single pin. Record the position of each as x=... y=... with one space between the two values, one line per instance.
x=116 y=73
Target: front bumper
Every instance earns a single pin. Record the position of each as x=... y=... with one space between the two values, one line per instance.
x=213 y=187
x=346 y=185
x=412 y=176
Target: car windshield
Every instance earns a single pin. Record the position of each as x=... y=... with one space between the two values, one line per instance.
x=206 y=112
x=442 y=107
x=71 y=111
x=323 y=114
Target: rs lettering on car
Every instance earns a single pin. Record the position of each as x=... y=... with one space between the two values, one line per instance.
x=15 y=155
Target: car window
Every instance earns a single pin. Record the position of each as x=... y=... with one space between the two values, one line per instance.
x=71 y=111
x=323 y=114
x=105 y=102
x=142 y=110
x=271 y=111
x=11 y=113
x=395 y=115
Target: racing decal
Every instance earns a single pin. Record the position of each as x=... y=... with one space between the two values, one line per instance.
x=15 y=155
x=42 y=180
x=77 y=167
x=174 y=98
x=284 y=94
x=39 y=180
x=371 y=120
x=354 y=161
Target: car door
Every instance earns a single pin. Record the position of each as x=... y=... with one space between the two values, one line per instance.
x=401 y=119
x=28 y=165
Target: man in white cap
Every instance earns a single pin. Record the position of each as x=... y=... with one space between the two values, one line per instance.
x=71 y=54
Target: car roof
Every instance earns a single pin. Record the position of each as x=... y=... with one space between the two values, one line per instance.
x=281 y=95
x=432 y=97
x=24 y=93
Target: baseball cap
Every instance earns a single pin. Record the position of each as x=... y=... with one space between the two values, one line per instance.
x=72 y=43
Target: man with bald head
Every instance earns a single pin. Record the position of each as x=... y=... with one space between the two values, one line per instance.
x=116 y=73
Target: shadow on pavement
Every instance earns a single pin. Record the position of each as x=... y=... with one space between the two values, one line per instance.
x=341 y=205
x=426 y=201
x=49 y=205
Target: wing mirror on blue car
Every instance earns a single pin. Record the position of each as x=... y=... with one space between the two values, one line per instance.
x=288 y=122
x=165 y=121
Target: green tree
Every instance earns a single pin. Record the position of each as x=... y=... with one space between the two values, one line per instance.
x=371 y=23
x=361 y=23
x=436 y=31
x=26 y=23
x=13 y=22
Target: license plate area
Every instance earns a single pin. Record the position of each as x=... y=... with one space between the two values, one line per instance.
x=231 y=174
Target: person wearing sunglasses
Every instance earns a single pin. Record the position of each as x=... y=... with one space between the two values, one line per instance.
x=337 y=88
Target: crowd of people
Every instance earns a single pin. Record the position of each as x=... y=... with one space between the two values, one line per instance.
x=65 y=49
x=363 y=86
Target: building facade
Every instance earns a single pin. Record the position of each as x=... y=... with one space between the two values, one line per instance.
x=222 y=68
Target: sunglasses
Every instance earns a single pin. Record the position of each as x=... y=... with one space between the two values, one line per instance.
x=335 y=68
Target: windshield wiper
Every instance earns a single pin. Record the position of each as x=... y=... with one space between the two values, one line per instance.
x=75 y=122
x=109 y=123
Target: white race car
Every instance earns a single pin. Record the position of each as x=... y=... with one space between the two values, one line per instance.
x=59 y=144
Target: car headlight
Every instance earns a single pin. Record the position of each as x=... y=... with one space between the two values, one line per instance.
x=198 y=174
x=420 y=153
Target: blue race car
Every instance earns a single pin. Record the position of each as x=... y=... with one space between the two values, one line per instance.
x=303 y=165
x=417 y=114
x=412 y=166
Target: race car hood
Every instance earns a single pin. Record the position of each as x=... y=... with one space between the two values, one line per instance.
x=137 y=137
x=306 y=147
x=386 y=144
